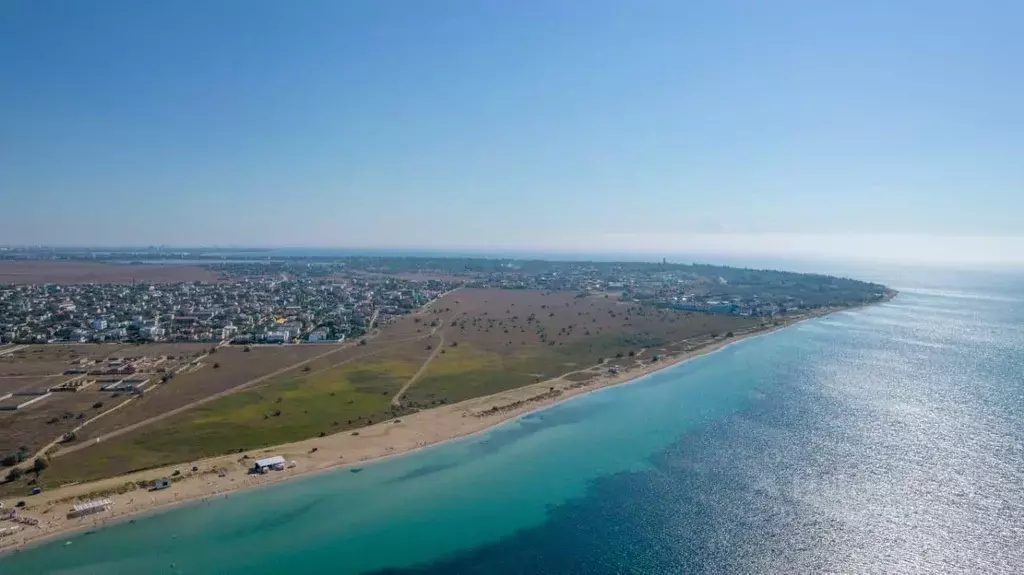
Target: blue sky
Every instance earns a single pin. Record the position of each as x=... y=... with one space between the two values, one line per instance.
x=866 y=129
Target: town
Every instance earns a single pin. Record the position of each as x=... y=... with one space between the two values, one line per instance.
x=250 y=311
x=210 y=371
x=312 y=300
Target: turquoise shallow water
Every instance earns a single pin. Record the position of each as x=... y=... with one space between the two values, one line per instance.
x=887 y=439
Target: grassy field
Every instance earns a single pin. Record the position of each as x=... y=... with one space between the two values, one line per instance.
x=47 y=420
x=235 y=367
x=38 y=367
x=51 y=359
x=508 y=339
x=487 y=340
x=329 y=399
x=23 y=383
x=36 y=425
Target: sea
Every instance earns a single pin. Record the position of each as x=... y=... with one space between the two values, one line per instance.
x=887 y=439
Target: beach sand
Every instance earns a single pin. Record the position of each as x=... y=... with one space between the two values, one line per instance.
x=220 y=476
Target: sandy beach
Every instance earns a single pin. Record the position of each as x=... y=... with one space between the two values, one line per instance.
x=223 y=475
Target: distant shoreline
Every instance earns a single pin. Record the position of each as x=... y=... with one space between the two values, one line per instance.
x=364 y=446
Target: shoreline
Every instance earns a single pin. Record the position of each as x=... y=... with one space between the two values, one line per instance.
x=221 y=476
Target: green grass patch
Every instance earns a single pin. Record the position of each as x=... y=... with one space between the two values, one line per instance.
x=466 y=371
x=300 y=408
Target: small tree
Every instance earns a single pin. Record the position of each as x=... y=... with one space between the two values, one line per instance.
x=39 y=465
x=14 y=474
x=216 y=366
x=10 y=460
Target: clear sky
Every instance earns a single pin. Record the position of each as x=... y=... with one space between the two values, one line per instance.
x=872 y=129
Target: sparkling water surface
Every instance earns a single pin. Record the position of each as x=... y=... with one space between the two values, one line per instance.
x=888 y=439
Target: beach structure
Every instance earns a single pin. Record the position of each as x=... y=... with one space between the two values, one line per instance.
x=90 y=507
x=16 y=517
x=161 y=484
x=276 y=463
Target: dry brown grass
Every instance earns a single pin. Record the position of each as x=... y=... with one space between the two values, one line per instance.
x=72 y=272
x=34 y=427
x=493 y=340
x=510 y=338
x=42 y=422
x=237 y=367
x=29 y=383
x=52 y=359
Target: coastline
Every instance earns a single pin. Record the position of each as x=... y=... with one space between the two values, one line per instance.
x=223 y=475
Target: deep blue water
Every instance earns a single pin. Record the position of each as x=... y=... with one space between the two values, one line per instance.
x=881 y=440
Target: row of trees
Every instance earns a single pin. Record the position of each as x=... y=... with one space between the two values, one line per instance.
x=38 y=466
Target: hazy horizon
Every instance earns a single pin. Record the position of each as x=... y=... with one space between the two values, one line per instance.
x=869 y=132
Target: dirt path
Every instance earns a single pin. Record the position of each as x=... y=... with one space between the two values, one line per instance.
x=397 y=399
x=196 y=403
x=250 y=383
x=60 y=437
x=12 y=349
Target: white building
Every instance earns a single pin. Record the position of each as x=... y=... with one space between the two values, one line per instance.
x=276 y=463
x=90 y=507
x=277 y=336
x=318 y=335
x=99 y=324
x=152 y=332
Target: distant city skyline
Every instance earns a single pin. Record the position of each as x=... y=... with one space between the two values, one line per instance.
x=869 y=131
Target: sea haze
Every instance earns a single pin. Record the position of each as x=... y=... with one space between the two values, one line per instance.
x=881 y=440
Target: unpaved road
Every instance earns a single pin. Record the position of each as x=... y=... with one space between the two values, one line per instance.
x=155 y=418
x=397 y=399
